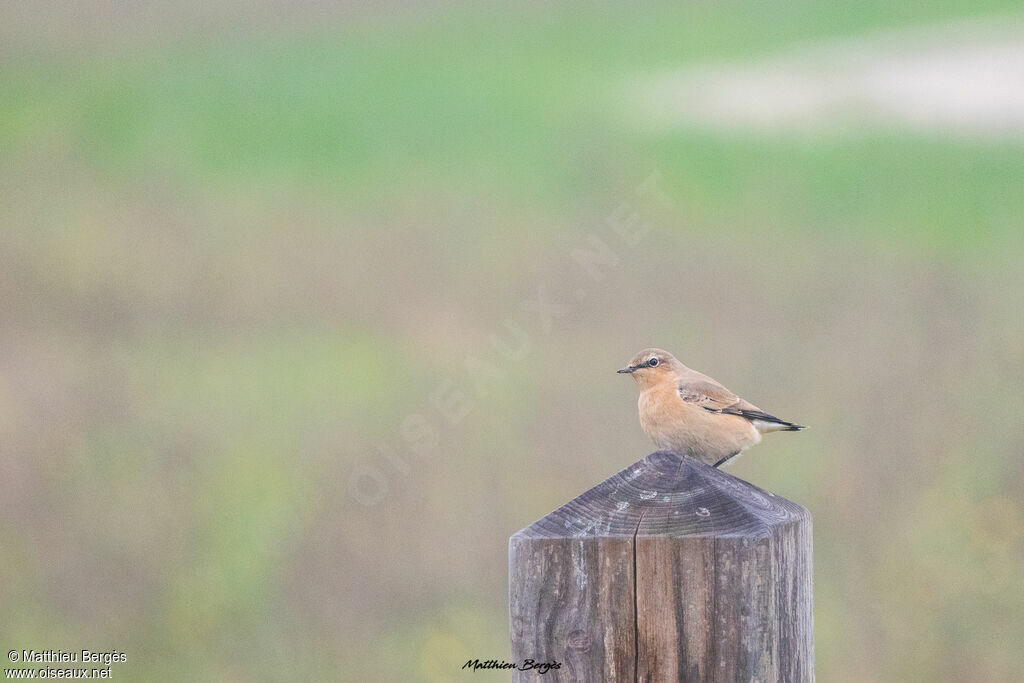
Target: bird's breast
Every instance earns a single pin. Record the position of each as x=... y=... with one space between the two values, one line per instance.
x=675 y=424
x=662 y=412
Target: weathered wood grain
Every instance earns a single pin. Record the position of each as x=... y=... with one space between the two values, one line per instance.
x=669 y=570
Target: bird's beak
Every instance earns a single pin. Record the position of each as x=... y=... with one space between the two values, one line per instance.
x=626 y=370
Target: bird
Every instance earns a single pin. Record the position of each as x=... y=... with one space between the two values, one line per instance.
x=689 y=413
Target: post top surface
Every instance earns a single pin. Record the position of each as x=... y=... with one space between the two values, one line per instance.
x=667 y=494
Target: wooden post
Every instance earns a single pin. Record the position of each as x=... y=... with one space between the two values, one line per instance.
x=670 y=570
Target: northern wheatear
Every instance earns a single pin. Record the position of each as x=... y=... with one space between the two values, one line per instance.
x=690 y=413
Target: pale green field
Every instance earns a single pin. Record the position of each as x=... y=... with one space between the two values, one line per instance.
x=237 y=255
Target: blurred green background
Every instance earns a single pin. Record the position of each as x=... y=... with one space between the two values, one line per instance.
x=243 y=244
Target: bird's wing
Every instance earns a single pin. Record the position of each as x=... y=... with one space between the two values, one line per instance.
x=715 y=398
x=707 y=395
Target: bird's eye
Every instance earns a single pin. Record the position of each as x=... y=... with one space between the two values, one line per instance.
x=652 y=362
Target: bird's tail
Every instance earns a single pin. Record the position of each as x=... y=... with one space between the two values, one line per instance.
x=765 y=426
x=769 y=423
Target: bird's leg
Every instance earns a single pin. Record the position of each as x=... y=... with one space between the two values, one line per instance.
x=726 y=459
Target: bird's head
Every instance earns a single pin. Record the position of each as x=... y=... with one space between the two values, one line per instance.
x=650 y=365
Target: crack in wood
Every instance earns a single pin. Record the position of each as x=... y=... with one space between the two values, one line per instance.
x=636 y=620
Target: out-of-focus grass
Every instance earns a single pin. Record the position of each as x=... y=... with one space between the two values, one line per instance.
x=518 y=103
x=900 y=190
x=235 y=264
